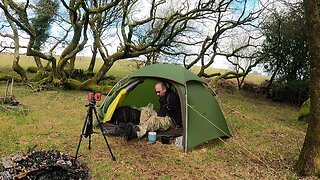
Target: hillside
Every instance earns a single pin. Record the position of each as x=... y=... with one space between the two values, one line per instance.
x=117 y=69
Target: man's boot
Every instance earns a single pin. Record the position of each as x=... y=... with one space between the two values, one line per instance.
x=131 y=131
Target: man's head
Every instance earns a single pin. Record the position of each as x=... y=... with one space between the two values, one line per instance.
x=160 y=89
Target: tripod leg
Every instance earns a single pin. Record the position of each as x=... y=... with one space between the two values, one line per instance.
x=76 y=156
x=104 y=136
x=89 y=146
x=81 y=136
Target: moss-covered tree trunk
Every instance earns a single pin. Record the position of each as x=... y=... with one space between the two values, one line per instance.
x=38 y=62
x=102 y=71
x=309 y=159
x=18 y=69
x=70 y=66
x=88 y=85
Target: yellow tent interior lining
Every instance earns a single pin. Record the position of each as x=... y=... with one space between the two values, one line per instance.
x=115 y=103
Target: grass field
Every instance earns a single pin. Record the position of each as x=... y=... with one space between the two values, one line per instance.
x=266 y=141
x=265 y=144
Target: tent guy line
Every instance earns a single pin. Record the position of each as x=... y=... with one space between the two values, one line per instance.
x=252 y=154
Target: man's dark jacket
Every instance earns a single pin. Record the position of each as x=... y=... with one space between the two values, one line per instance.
x=170 y=106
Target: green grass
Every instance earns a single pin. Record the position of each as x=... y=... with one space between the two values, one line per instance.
x=266 y=141
x=265 y=144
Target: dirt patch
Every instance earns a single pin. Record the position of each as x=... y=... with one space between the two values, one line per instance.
x=43 y=165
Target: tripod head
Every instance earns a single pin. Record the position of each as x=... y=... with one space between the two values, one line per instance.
x=91 y=103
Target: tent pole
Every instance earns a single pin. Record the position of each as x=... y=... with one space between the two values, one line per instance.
x=186 y=122
x=113 y=87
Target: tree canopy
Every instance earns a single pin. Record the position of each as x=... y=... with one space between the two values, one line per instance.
x=289 y=61
x=187 y=32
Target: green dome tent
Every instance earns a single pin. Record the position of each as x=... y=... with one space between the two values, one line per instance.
x=202 y=117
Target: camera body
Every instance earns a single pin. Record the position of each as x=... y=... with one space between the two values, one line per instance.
x=93 y=96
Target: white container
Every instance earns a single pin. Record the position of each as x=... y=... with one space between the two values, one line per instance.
x=178 y=142
x=152 y=136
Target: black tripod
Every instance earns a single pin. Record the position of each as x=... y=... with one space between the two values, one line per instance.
x=87 y=128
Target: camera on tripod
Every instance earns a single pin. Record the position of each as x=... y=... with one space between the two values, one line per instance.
x=87 y=129
x=93 y=96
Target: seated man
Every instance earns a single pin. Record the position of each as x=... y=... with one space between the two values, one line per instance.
x=169 y=104
x=168 y=115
